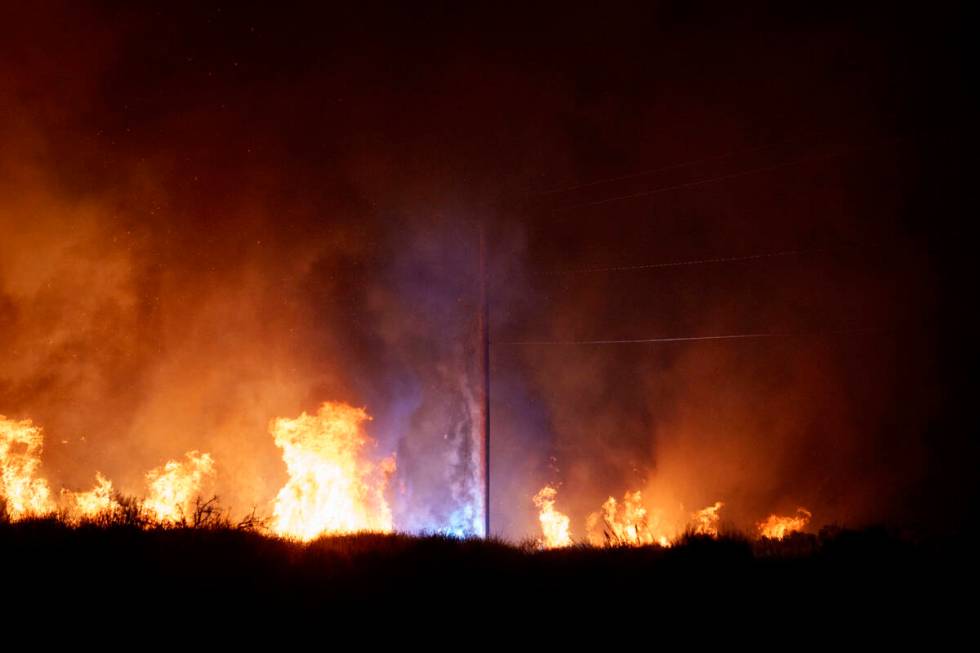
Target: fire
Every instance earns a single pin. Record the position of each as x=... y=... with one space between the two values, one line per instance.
x=705 y=521
x=97 y=501
x=631 y=523
x=554 y=525
x=626 y=523
x=20 y=456
x=172 y=487
x=175 y=485
x=332 y=486
x=776 y=527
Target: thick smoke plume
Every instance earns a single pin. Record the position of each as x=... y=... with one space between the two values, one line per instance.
x=212 y=219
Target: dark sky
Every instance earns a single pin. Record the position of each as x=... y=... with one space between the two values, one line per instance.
x=239 y=211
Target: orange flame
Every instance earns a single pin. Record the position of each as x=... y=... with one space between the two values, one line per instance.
x=175 y=485
x=554 y=525
x=627 y=523
x=776 y=528
x=97 y=501
x=705 y=521
x=332 y=487
x=20 y=457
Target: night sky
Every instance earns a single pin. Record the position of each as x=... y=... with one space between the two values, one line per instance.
x=214 y=214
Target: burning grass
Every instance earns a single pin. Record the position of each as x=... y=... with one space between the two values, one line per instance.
x=177 y=550
x=207 y=558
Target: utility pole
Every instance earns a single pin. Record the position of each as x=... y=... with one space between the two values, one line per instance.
x=485 y=359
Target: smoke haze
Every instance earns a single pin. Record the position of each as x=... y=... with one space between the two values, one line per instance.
x=211 y=217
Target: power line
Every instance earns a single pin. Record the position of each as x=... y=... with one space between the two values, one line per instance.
x=731 y=336
x=702 y=261
x=685 y=164
x=650 y=171
x=731 y=175
x=673 y=264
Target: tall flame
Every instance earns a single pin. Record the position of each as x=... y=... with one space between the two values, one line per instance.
x=631 y=523
x=332 y=486
x=627 y=523
x=175 y=485
x=98 y=500
x=776 y=527
x=554 y=524
x=705 y=521
x=20 y=456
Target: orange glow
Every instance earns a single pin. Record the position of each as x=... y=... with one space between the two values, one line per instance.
x=554 y=525
x=626 y=523
x=705 y=521
x=175 y=486
x=776 y=528
x=332 y=486
x=20 y=456
x=97 y=501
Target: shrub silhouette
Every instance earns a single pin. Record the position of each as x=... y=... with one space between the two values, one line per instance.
x=208 y=559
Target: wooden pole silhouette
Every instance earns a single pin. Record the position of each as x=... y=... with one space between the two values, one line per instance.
x=485 y=365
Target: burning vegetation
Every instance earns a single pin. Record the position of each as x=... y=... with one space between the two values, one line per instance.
x=554 y=525
x=21 y=443
x=174 y=486
x=625 y=523
x=630 y=523
x=775 y=527
x=89 y=505
x=333 y=487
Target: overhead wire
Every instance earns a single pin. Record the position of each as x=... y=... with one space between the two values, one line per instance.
x=849 y=149
x=670 y=339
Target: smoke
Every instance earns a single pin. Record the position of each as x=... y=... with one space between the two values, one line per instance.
x=423 y=314
x=209 y=220
x=150 y=308
x=132 y=341
x=129 y=348
x=832 y=420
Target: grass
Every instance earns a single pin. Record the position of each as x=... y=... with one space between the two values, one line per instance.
x=123 y=561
